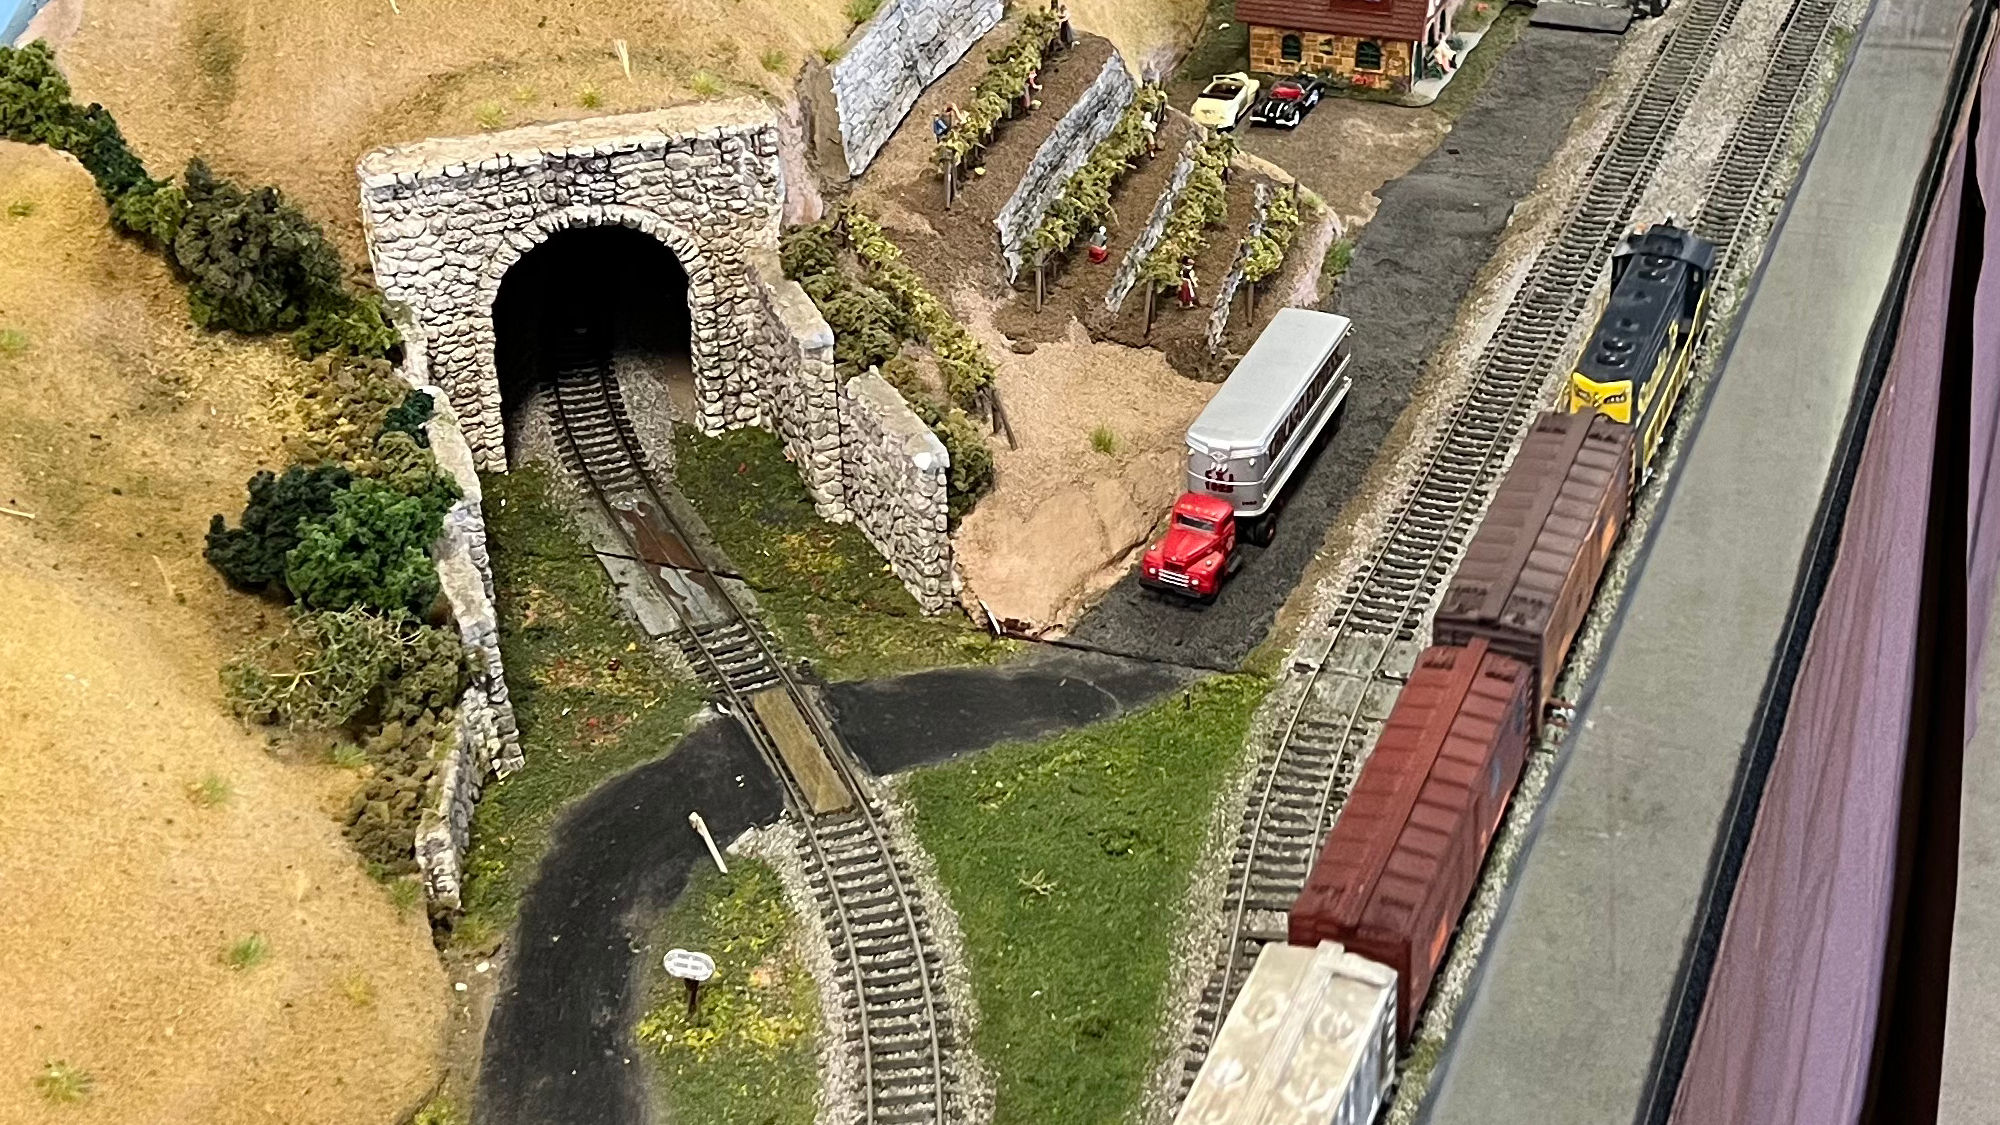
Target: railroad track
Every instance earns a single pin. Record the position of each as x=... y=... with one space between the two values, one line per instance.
x=884 y=956
x=1377 y=627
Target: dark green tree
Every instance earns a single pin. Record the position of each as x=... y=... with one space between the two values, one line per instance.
x=372 y=550
x=252 y=556
x=254 y=262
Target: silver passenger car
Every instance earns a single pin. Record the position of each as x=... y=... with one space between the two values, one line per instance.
x=1311 y=1040
x=1270 y=411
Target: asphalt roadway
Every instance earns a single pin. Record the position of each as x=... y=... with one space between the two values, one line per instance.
x=1413 y=266
x=925 y=717
x=1578 y=984
x=558 y=1049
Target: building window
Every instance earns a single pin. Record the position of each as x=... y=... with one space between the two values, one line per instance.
x=1368 y=55
x=1292 y=48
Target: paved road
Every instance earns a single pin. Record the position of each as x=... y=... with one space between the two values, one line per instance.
x=934 y=716
x=1564 y=1023
x=1413 y=266
x=556 y=1046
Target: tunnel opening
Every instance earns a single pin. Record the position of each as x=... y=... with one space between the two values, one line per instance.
x=621 y=290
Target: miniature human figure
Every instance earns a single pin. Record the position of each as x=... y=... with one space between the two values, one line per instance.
x=1187 y=283
x=1067 y=34
x=1151 y=124
x=939 y=126
x=1100 y=244
x=1028 y=100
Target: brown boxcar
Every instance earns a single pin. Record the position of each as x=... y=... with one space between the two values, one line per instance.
x=1533 y=565
x=1401 y=861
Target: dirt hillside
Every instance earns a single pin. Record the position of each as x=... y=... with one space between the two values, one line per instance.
x=142 y=831
x=294 y=93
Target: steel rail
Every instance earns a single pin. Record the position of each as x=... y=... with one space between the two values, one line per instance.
x=596 y=435
x=1388 y=597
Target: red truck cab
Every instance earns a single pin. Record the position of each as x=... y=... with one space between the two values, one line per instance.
x=1198 y=550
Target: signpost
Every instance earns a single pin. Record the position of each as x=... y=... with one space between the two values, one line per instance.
x=691 y=967
x=714 y=853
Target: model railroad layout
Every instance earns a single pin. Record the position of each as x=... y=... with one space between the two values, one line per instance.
x=883 y=952
x=1333 y=832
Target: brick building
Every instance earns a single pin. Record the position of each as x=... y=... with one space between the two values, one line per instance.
x=1372 y=43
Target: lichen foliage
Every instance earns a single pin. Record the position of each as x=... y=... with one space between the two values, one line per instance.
x=1202 y=204
x=1086 y=196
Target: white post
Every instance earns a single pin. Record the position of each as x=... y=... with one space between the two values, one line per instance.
x=701 y=828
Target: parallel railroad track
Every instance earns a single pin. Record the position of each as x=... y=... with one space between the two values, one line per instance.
x=885 y=959
x=1379 y=623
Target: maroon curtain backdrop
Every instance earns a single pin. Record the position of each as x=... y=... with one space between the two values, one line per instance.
x=1788 y=1023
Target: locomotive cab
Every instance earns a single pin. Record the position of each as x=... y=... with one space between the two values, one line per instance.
x=1636 y=362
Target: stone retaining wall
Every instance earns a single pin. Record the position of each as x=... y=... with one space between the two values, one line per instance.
x=884 y=67
x=1225 y=293
x=1086 y=123
x=484 y=741
x=895 y=470
x=447 y=218
x=1155 y=228
x=795 y=351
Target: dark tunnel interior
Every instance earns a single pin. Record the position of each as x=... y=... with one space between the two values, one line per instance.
x=622 y=282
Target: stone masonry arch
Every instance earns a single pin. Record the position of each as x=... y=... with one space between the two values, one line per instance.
x=705 y=329
x=447 y=218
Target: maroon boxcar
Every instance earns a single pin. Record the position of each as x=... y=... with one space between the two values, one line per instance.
x=1402 y=859
x=1532 y=567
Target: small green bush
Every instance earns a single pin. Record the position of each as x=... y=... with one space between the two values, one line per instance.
x=861 y=11
x=1104 y=440
x=409 y=416
x=354 y=670
x=153 y=211
x=372 y=550
x=21 y=209
x=590 y=97
x=971 y=462
x=347 y=323
x=12 y=340
x=254 y=263
x=252 y=555
x=34 y=96
x=706 y=84
x=775 y=61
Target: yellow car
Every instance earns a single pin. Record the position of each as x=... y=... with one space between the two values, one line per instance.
x=1226 y=101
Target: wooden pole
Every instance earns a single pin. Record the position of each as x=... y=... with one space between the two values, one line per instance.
x=951 y=181
x=1041 y=274
x=1152 y=291
x=1000 y=416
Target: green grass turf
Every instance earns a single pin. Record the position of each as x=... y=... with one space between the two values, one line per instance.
x=821 y=587
x=591 y=698
x=749 y=1057
x=1067 y=861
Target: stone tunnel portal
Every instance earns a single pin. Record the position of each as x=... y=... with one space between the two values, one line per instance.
x=621 y=280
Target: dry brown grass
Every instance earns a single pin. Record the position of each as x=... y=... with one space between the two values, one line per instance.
x=293 y=93
x=121 y=430
x=1143 y=30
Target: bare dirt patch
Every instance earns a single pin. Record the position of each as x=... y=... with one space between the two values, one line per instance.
x=1065 y=516
x=142 y=831
x=294 y=93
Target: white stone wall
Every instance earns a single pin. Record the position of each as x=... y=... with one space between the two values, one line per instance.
x=484 y=741
x=796 y=354
x=447 y=218
x=1086 y=123
x=1225 y=293
x=887 y=64
x=896 y=470
x=1155 y=228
